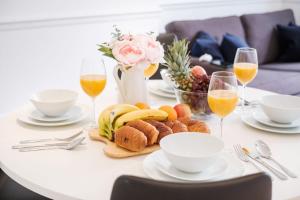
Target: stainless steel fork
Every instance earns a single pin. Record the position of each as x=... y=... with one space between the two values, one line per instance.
x=243 y=157
x=67 y=139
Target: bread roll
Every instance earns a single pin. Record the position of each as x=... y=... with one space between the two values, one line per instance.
x=195 y=125
x=187 y=121
x=176 y=126
x=150 y=131
x=130 y=138
x=163 y=129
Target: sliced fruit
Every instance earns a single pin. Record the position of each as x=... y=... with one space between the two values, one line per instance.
x=145 y=114
x=142 y=105
x=172 y=114
x=150 y=70
x=183 y=110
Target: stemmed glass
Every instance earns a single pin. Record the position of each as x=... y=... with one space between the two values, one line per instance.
x=222 y=94
x=245 y=67
x=93 y=81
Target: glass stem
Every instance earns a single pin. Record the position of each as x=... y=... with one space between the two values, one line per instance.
x=221 y=126
x=93 y=111
x=243 y=96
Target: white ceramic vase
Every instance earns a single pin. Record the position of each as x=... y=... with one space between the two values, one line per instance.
x=132 y=84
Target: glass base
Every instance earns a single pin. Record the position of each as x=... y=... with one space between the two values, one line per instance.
x=90 y=126
x=247 y=110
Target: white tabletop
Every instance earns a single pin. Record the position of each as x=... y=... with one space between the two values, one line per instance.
x=86 y=173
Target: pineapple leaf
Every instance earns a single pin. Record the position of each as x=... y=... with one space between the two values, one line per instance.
x=178 y=63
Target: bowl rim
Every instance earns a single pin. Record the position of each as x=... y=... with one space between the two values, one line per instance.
x=34 y=98
x=194 y=133
x=276 y=107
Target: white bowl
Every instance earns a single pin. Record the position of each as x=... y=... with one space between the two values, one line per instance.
x=281 y=108
x=191 y=152
x=54 y=102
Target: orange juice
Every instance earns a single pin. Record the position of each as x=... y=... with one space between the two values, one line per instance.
x=150 y=70
x=92 y=84
x=245 y=72
x=222 y=102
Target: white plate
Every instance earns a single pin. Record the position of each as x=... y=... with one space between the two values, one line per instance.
x=155 y=86
x=74 y=112
x=166 y=89
x=234 y=169
x=24 y=116
x=167 y=168
x=249 y=120
x=259 y=116
x=160 y=93
x=160 y=85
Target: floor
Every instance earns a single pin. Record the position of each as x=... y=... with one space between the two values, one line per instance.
x=10 y=190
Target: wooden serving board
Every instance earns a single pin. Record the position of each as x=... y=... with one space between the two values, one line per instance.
x=114 y=151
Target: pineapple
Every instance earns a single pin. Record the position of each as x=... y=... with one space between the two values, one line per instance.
x=178 y=63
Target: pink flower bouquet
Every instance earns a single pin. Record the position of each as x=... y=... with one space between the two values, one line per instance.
x=133 y=50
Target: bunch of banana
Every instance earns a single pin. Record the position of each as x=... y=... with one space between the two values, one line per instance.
x=108 y=116
x=116 y=116
x=144 y=114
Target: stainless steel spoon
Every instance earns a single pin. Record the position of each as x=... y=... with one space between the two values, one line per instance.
x=263 y=149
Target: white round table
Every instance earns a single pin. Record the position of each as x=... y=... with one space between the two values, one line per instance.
x=86 y=173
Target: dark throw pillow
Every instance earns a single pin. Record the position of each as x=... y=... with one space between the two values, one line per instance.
x=230 y=44
x=203 y=44
x=289 y=41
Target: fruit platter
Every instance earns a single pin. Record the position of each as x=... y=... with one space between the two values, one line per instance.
x=130 y=130
x=190 y=83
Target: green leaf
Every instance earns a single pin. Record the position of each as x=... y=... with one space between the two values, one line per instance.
x=107 y=51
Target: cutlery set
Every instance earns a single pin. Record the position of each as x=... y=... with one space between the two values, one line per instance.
x=67 y=143
x=262 y=152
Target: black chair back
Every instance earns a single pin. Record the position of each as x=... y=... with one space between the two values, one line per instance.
x=251 y=187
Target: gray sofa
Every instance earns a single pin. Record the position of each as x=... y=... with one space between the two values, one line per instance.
x=259 y=30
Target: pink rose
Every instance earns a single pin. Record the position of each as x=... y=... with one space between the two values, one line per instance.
x=126 y=37
x=153 y=49
x=128 y=52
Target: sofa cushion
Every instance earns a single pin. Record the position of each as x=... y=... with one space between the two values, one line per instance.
x=229 y=45
x=277 y=81
x=288 y=67
x=289 y=42
x=283 y=82
x=216 y=27
x=261 y=32
x=205 y=44
x=166 y=39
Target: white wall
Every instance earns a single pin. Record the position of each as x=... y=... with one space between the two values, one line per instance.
x=295 y=5
x=204 y=8
x=42 y=42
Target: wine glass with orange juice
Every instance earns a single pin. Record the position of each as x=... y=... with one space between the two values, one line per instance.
x=93 y=81
x=222 y=94
x=245 y=67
